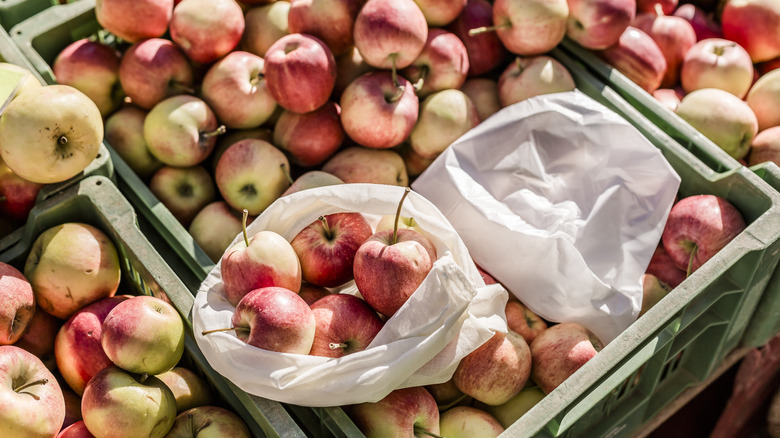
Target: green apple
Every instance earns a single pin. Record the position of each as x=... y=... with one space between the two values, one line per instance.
x=30 y=81
x=208 y=422
x=510 y=411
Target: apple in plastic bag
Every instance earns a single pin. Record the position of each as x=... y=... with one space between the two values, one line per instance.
x=311 y=293
x=403 y=412
x=17 y=304
x=559 y=351
x=345 y=324
x=468 y=422
x=208 y=422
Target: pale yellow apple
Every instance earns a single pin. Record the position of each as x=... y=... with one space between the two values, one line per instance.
x=510 y=411
x=30 y=80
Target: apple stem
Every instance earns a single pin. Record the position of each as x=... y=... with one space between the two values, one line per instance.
x=423 y=74
x=659 y=10
x=519 y=66
x=326 y=228
x=398 y=216
x=286 y=173
x=418 y=429
x=33 y=383
x=143 y=378
x=208 y=332
x=63 y=140
x=690 y=260
x=244 y=217
x=399 y=89
x=208 y=134
x=256 y=80
x=178 y=86
x=483 y=29
x=337 y=345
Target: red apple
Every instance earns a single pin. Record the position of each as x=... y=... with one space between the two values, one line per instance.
x=765 y=67
x=184 y=191
x=390 y=34
x=559 y=351
x=440 y=12
x=17 y=195
x=765 y=147
x=674 y=36
x=670 y=98
x=664 y=7
x=311 y=138
x=530 y=27
x=39 y=337
x=125 y=133
x=442 y=64
x=134 y=20
x=763 y=99
x=364 y=165
x=207 y=30
x=637 y=56
x=484 y=93
x=754 y=25
x=17 y=303
x=330 y=21
x=154 y=69
x=598 y=24
x=523 y=321
x=403 y=412
x=345 y=324
x=717 y=63
x=92 y=68
x=663 y=267
x=311 y=293
x=75 y=430
x=532 y=76
x=703 y=24
x=485 y=50
x=263 y=25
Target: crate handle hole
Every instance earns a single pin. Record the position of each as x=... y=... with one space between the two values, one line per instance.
x=97 y=183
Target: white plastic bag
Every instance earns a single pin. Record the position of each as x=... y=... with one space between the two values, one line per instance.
x=561 y=200
x=449 y=315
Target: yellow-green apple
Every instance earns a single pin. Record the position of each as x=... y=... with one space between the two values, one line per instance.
x=532 y=76
x=312 y=179
x=39 y=337
x=330 y=21
x=510 y=411
x=17 y=303
x=311 y=293
x=124 y=131
x=698 y=227
x=391 y=264
x=703 y=24
x=311 y=138
x=17 y=195
x=77 y=348
x=70 y=266
x=265 y=260
x=189 y=389
x=364 y=165
x=673 y=35
x=92 y=68
x=300 y=72
x=154 y=69
x=208 y=422
x=653 y=290
x=717 y=63
x=442 y=64
x=753 y=24
x=440 y=12
x=722 y=117
x=765 y=147
x=181 y=130
x=250 y=175
x=263 y=25
x=665 y=7
x=597 y=24
x=559 y=351
x=345 y=324
x=378 y=111
x=349 y=66
x=663 y=267
x=134 y=20
x=764 y=99
x=183 y=190
x=143 y=335
x=207 y=30
x=529 y=27
x=119 y=404
x=403 y=412
x=387 y=222
x=483 y=92
x=214 y=228
x=49 y=134
x=72 y=405
x=275 y=319
x=444 y=117
x=497 y=370
x=326 y=247
x=235 y=89
x=75 y=430
x=234 y=136
x=468 y=422
x=670 y=98
x=486 y=52
x=523 y=321
x=637 y=56
x=414 y=162
x=32 y=404
x=29 y=80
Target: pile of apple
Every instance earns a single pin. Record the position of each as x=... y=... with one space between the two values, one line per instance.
x=78 y=360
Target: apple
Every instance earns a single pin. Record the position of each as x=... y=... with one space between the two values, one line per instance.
x=189 y=389
x=123 y=17
x=214 y=228
x=447 y=394
x=659 y=7
x=17 y=303
x=300 y=72
x=49 y=134
x=326 y=248
x=559 y=351
x=181 y=130
x=485 y=50
x=497 y=370
x=72 y=405
x=414 y=162
x=653 y=290
x=265 y=260
x=391 y=264
x=638 y=57
x=17 y=195
x=124 y=405
x=444 y=117
x=698 y=227
x=388 y=221
x=523 y=321
x=390 y=34
x=311 y=293
x=77 y=348
x=184 y=191
x=754 y=25
x=143 y=334
x=663 y=267
x=312 y=179
x=762 y=99
x=236 y=91
x=70 y=266
x=349 y=66
x=670 y=98
x=483 y=92
x=263 y=25
x=28 y=80
x=722 y=117
x=673 y=35
x=124 y=131
x=717 y=63
x=598 y=24
x=403 y=412
x=442 y=64
x=92 y=68
x=234 y=136
x=364 y=165
x=345 y=324
x=532 y=76
x=486 y=277
x=378 y=111
x=38 y=337
x=311 y=138
x=154 y=69
x=529 y=27
x=32 y=404
x=208 y=422
x=440 y=12
x=468 y=422
x=207 y=30
x=330 y=21
x=765 y=147
x=250 y=175
x=703 y=24
x=510 y=411
x=75 y=430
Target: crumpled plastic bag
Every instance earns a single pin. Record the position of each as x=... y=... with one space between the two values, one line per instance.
x=561 y=200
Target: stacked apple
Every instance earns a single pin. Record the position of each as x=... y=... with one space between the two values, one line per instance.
x=77 y=356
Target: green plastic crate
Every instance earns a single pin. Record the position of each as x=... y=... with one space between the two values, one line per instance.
x=97 y=201
x=16 y=11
